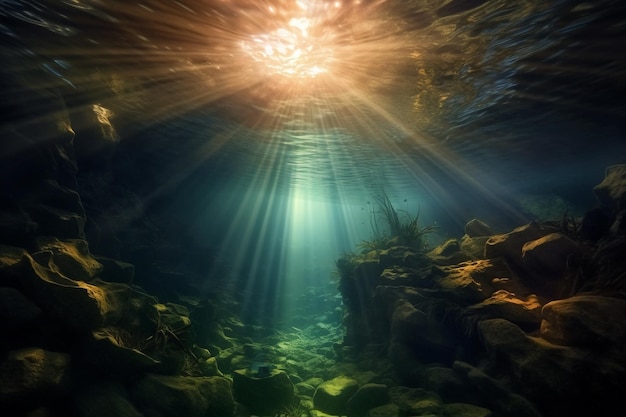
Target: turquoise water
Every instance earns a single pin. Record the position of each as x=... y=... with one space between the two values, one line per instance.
x=269 y=157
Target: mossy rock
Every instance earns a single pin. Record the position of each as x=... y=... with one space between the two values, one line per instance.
x=175 y=396
x=332 y=396
x=265 y=396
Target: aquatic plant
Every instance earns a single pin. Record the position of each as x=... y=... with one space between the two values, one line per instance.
x=398 y=233
x=294 y=410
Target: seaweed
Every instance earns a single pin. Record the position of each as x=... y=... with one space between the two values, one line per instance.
x=401 y=228
x=399 y=232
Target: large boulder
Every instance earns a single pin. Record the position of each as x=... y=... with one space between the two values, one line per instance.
x=509 y=245
x=111 y=350
x=267 y=394
x=559 y=380
x=76 y=305
x=463 y=409
x=115 y=270
x=586 y=321
x=70 y=257
x=474 y=247
x=471 y=282
x=492 y=393
x=402 y=256
x=16 y=310
x=427 y=338
x=550 y=253
x=523 y=311
x=415 y=401
x=29 y=373
x=175 y=396
x=448 y=253
x=104 y=400
x=611 y=192
x=367 y=397
x=332 y=396
x=477 y=228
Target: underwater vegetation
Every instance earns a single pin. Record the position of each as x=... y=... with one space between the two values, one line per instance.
x=400 y=230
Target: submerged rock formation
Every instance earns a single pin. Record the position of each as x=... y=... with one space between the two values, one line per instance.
x=528 y=326
x=519 y=324
x=79 y=338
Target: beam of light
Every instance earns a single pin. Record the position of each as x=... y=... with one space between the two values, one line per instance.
x=322 y=73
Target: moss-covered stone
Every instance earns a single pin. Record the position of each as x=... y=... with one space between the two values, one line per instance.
x=367 y=397
x=332 y=396
x=31 y=372
x=266 y=395
x=71 y=257
x=175 y=396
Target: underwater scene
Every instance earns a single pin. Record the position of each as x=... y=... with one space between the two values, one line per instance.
x=312 y=208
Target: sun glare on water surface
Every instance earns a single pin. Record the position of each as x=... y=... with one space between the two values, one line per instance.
x=292 y=51
x=332 y=45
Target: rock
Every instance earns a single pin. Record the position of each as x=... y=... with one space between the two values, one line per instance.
x=398 y=276
x=447 y=248
x=474 y=247
x=314 y=382
x=611 y=192
x=462 y=409
x=10 y=263
x=494 y=394
x=448 y=253
x=367 y=397
x=116 y=271
x=502 y=335
x=16 y=226
x=596 y=224
x=53 y=194
x=76 y=305
x=105 y=400
x=426 y=337
x=447 y=383
x=415 y=401
x=265 y=395
x=209 y=367
x=53 y=221
x=302 y=388
x=71 y=257
x=402 y=256
x=559 y=380
x=110 y=352
x=175 y=396
x=549 y=254
x=509 y=245
x=387 y=410
x=16 y=310
x=506 y=305
x=332 y=396
x=28 y=373
x=586 y=321
x=618 y=228
x=477 y=228
x=318 y=413
x=471 y=282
